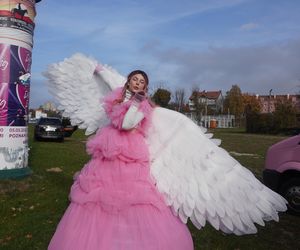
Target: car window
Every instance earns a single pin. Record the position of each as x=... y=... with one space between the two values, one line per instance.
x=50 y=122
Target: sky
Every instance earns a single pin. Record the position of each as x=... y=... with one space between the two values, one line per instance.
x=205 y=44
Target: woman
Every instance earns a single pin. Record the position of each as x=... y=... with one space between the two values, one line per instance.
x=114 y=202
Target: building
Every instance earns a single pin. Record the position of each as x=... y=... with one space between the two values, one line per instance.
x=209 y=99
x=39 y=113
x=49 y=106
x=268 y=102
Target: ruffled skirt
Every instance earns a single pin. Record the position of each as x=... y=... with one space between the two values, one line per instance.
x=116 y=206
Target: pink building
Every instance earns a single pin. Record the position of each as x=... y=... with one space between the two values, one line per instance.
x=268 y=102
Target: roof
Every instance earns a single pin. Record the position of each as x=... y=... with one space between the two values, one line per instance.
x=207 y=94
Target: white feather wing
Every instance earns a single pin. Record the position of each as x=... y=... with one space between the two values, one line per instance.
x=201 y=181
x=79 y=91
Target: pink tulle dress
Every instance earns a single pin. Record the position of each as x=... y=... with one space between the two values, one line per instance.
x=114 y=202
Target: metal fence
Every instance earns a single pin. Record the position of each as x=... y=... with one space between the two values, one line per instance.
x=214 y=121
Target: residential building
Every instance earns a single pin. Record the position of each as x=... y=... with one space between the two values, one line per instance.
x=209 y=99
x=39 y=113
x=213 y=101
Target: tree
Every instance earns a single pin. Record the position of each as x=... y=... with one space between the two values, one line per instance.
x=234 y=102
x=179 y=99
x=52 y=113
x=32 y=111
x=251 y=104
x=162 y=97
x=285 y=115
x=198 y=107
x=255 y=122
x=283 y=120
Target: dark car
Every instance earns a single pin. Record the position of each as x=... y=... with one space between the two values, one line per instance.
x=49 y=128
x=282 y=171
x=69 y=130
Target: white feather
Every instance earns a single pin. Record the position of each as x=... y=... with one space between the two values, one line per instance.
x=79 y=91
x=205 y=182
x=195 y=222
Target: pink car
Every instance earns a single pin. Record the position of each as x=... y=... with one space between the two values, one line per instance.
x=282 y=171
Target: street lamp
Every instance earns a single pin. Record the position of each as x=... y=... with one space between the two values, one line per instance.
x=269 y=109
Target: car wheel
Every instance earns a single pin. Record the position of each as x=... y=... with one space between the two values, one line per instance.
x=61 y=139
x=290 y=190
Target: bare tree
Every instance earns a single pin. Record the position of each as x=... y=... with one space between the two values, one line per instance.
x=198 y=108
x=179 y=99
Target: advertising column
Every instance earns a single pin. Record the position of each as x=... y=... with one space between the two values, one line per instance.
x=16 y=42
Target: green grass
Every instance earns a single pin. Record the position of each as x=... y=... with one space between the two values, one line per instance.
x=31 y=208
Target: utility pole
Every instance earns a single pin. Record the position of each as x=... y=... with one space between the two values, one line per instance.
x=269 y=101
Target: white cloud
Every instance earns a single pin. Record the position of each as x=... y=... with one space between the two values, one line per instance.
x=80 y=18
x=254 y=69
x=249 y=26
x=164 y=39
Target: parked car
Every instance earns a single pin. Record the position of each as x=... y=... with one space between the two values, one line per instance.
x=282 y=171
x=49 y=128
x=69 y=130
x=32 y=120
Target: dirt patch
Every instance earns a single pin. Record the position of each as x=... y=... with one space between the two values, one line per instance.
x=55 y=170
x=244 y=154
x=9 y=186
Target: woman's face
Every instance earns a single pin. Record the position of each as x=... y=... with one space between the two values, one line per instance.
x=137 y=83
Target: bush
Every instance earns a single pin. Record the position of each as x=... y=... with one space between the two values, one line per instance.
x=273 y=123
x=284 y=120
x=260 y=123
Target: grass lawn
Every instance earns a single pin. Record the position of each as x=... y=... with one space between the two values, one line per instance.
x=31 y=208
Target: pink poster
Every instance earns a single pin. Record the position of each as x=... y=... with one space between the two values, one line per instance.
x=16 y=41
x=4 y=82
x=14 y=88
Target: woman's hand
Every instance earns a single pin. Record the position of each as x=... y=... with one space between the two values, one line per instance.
x=138 y=98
